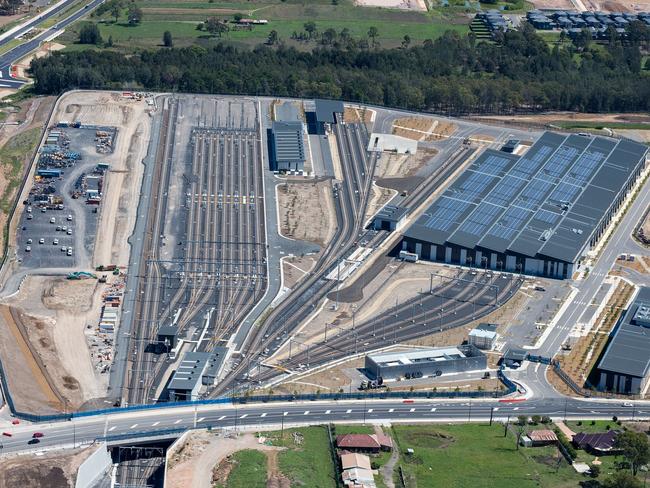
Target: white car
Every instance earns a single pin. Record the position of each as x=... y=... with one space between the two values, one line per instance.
x=28 y=248
x=52 y=220
x=69 y=232
x=41 y=240
x=64 y=249
x=627 y=404
x=69 y=218
x=29 y=241
x=64 y=228
x=69 y=253
x=30 y=216
x=55 y=242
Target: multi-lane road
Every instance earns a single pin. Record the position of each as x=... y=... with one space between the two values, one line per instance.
x=161 y=421
x=16 y=54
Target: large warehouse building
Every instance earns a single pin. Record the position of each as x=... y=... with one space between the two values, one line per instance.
x=287 y=146
x=625 y=366
x=537 y=214
x=417 y=363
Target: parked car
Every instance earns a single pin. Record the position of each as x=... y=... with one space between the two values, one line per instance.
x=52 y=220
x=41 y=240
x=69 y=217
x=55 y=242
x=36 y=435
x=28 y=248
x=69 y=232
x=33 y=441
x=7 y=434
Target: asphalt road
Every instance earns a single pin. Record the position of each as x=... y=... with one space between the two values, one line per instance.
x=19 y=52
x=148 y=423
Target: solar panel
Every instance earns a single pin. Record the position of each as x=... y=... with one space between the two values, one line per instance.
x=445 y=214
x=505 y=190
x=472 y=188
x=510 y=223
x=560 y=161
x=547 y=217
x=528 y=165
x=585 y=167
x=533 y=195
x=492 y=165
x=564 y=193
x=481 y=219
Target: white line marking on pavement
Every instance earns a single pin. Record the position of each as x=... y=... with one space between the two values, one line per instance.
x=412 y=410
x=244 y=416
x=154 y=424
x=516 y=408
x=306 y=412
x=222 y=417
x=433 y=409
x=286 y=413
x=327 y=412
x=370 y=410
x=178 y=421
x=111 y=429
x=348 y=410
x=391 y=410
x=134 y=426
x=201 y=419
x=495 y=409
x=263 y=415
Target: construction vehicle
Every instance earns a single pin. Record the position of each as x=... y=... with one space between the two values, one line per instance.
x=81 y=275
x=103 y=278
x=566 y=346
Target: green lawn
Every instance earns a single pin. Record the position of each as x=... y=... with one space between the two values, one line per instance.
x=307 y=463
x=354 y=429
x=599 y=125
x=249 y=471
x=459 y=456
x=587 y=426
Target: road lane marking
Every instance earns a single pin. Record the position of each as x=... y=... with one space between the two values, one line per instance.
x=221 y=418
x=370 y=410
x=306 y=412
x=244 y=416
x=201 y=419
x=134 y=426
x=263 y=415
x=327 y=412
x=178 y=421
x=286 y=413
x=349 y=410
x=154 y=424
x=495 y=409
x=111 y=429
x=391 y=410
x=433 y=409
x=516 y=408
x=412 y=410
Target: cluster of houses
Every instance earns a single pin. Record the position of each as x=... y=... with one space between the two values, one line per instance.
x=573 y=23
x=356 y=469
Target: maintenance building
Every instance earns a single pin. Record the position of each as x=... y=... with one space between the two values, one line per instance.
x=418 y=363
x=324 y=114
x=390 y=217
x=484 y=336
x=538 y=214
x=625 y=365
x=188 y=377
x=287 y=146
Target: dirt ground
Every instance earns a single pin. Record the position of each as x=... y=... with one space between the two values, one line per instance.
x=53 y=312
x=195 y=462
x=45 y=49
x=423 y=128
x=353 y=115
x=306 y=210
x=49 y=470
x=402 y=4
x=27 y=115
x=295 y=268
x=122 y=183
x=403 y=165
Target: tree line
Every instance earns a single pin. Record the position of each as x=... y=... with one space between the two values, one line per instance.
x=453 y=74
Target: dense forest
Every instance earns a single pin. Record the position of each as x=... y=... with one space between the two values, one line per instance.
x=452 y=74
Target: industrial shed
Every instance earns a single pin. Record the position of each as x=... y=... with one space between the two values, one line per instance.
x=287 y=146
x=188 y=377
x=417 y=363
x=537 y=214
x=323 y=114
x=625 y=365
x=390 y=217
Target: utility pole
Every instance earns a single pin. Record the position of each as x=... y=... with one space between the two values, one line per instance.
x=289 y=349
x=469 y=415
x=505 y=427
x=491 y=414
x=325 y=332
x=430 y=283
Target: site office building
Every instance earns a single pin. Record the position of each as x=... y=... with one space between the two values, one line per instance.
x=538 y=214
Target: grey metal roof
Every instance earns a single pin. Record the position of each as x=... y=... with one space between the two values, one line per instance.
x=168 y=330
x=392 y=213
x=325 y=110
x=546 y=203
x=287 y=112
x=486 y=326
x=189 y=371
x=628 y=351
x=288 y=144
x=217 y=360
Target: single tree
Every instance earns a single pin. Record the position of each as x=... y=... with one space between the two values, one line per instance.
x=635 y=448
x=310 y=27
x=134 y=14
x=109 y=43
x=237 y=17
x=89 y=34
x=622 y=479
x=116 y=10
x=406 y=41
x=273 y=38
x=167 y=39
x=328 y=36
x=372 y=34
x=215 y=26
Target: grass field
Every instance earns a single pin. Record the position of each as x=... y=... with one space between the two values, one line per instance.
x=181 y=19
x=586 y=426
x=599 y=125
x=12 y=160
x=249 y=472
x=458 y=456
x=307 y=462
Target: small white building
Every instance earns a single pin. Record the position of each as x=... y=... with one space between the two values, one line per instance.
x=484 y=336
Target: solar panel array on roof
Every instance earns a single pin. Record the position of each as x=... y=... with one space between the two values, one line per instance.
x=546 y=203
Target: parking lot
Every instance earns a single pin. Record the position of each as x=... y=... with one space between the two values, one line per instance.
x=57 y=229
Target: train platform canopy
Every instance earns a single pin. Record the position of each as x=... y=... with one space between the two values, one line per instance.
x=548 y=204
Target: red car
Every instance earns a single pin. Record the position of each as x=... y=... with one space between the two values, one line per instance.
x=36 y=435
x=15 y=422
x=7 y=434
